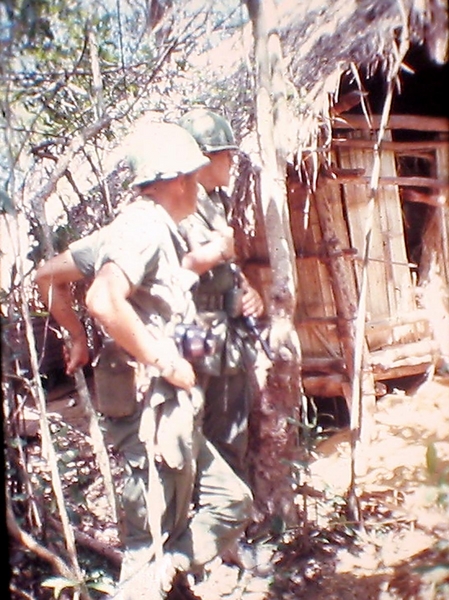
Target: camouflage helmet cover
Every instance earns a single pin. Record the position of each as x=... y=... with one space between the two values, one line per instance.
x=212 y=132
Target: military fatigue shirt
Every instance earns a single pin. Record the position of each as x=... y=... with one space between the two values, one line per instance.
x=144 y=243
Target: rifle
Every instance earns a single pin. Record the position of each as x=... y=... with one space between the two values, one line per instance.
x=251 y=324
x=232 y=306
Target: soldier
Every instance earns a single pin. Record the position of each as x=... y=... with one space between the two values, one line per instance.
x=139 y=295
x=224 y=296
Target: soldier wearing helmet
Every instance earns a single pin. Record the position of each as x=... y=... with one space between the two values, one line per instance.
x=212 y=132
x=228 y=390
x=139 y=294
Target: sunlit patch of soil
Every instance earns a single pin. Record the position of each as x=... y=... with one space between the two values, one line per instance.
x=401 y=549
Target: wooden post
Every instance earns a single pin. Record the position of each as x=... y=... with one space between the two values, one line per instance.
x=343 y=288
x=274 y=436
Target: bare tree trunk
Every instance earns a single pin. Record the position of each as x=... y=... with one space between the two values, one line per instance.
x=274 y=435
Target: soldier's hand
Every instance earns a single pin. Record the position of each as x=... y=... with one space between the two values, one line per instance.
x=252 y=304
x=180 y=373
x=76 y=354
x=227 y=243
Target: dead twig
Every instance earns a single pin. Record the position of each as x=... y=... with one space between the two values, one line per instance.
x=114 y=555
x=33 y=546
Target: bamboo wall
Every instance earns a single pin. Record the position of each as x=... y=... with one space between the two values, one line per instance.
x=329 y=231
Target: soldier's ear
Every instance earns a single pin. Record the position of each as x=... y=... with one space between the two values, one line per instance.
x=186 y=181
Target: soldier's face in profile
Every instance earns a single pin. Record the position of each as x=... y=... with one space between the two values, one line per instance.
x=219 y=169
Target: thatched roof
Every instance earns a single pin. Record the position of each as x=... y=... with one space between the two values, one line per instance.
x=323 y=41
x=332 y=39
x=325 y=44
x=336 y=34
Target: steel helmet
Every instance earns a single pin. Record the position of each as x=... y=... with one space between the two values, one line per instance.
x=162 y=151
x=212 y=132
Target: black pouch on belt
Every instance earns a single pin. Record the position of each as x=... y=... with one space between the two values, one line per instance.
x=115 y=381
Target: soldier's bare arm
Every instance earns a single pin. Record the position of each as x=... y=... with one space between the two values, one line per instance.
x=107 y=301
x=53 y=280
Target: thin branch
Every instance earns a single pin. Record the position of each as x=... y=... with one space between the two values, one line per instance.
x=120 y=40
x=41 y=152
x=66 y=76
x=114 y=555
x=357 y=368
x=20 y=593
x=48 y=450
x=62 y=165
x=98 y=443
x=99 y=106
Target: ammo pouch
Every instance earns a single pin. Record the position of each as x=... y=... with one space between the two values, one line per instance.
x=219 y=290
x=218 y=298
x=115 y=381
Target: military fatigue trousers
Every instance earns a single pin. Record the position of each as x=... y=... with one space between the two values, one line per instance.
x=228 y=400
x=202 y=509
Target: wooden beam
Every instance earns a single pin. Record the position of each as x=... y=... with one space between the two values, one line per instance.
x=409 y=318
x=412 y=195
x=356 y=179
x=403 y=370
x=403 y=355
x=400 y=147
x=412 y=122
x=327 y=386
x=323 y=365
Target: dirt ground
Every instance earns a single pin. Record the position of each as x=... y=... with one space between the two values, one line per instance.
x=401 y=550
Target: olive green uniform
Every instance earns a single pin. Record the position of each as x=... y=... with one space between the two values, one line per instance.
x=226 y=380
x=144 y=242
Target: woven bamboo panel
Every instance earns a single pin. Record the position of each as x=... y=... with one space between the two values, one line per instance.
x=329 y=229
x=315 y=310
x=390 y=292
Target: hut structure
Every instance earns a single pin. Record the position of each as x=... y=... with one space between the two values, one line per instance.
x=406 y=328
x=348 y=180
